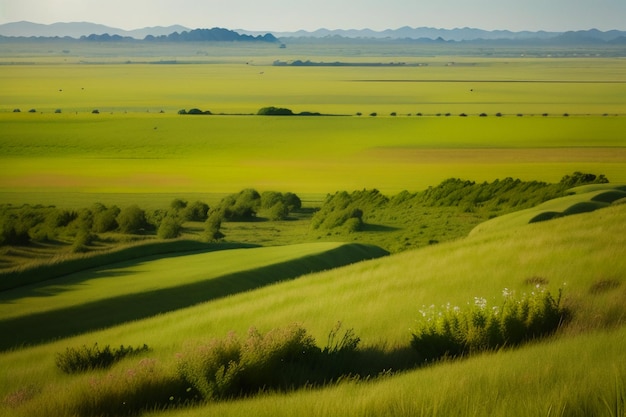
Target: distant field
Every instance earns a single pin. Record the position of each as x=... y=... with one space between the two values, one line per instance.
x=165 y=153
x=130 y=147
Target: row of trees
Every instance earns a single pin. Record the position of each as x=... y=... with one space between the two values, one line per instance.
x=23 y=225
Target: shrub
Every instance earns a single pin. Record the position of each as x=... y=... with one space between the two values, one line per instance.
x=241 y=206
x=580 y=178
x=229 y=367
x=279 y=359
x=212 y=227
x=196 y=212
x=170 y=228
x=276 y=206
x=85 y=358
x=82 y=240
x=177 y=204
x=104 y=219
x=454 y=332
x=132 y=219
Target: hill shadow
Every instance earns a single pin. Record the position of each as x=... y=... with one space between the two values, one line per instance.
x=57 y=324
x=76 y=272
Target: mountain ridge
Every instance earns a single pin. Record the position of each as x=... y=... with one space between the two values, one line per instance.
x=93 y=31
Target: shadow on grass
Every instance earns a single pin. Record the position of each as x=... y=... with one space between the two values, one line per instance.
x=43 y=327
x=378 y=228
x=52 y=268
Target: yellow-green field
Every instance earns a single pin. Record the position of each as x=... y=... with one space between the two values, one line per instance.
x=132 y=147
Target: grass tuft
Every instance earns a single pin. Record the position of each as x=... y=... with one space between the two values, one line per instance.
x=86 y=358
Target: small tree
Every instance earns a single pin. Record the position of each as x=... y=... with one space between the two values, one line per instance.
x=196 y=212
x=132 y=219
x=274 y=111
x=170 y=228
x=212 y=226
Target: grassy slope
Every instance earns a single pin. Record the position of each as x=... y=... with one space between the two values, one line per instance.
x=140 y=288
x=381 y=299
x=582 y=199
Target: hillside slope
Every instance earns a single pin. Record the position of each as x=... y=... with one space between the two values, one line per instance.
x=381 y=300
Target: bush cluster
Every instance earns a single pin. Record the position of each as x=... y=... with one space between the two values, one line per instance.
x=245 y=205
x=350 y=211
x=454 y=332
x=343 y=210
x=86 y=358
x=280 y=359
x=20 y=225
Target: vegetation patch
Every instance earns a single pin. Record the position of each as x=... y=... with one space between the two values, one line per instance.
x=280 y=359
x=604 y=285
x=454 y=332
x=86 y=358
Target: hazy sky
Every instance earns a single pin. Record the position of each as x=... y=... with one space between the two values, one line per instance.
x=287 y=15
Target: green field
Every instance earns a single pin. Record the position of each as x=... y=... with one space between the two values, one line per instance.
x=513 y=116
x=132 y=147
x=217 y=154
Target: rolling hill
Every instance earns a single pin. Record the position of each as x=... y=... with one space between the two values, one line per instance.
x=380 y=299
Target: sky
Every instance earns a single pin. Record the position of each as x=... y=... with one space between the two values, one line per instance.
x=291 y=15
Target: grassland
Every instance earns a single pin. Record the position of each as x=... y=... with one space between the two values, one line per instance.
x=130 y=147
x=557 y=116
x=381 y=300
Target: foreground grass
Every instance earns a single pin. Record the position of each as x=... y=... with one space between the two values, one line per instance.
x=381 y=300
x=540 y=380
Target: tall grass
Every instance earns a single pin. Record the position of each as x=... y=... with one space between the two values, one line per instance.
x=568 y=377
x=543 y=378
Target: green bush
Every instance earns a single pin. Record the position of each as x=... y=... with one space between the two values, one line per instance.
x=104 y=219
x=240 y=207
x=132 y=219
x=170 y=228
x=453 y=332
x=279 y=359
x=82 y=240
x=196 y=211
x=212 y=227
x=85 y=358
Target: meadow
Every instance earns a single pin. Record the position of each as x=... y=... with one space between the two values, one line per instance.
x=381 y=300
x=382 y=130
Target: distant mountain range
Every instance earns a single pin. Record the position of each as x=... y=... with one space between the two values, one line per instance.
x=78 y=29
x=457 y=34
x=95 y=32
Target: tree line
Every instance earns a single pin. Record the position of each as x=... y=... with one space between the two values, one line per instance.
x=84 y=227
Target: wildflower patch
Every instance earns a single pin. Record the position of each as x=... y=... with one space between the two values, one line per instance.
x=453 y=332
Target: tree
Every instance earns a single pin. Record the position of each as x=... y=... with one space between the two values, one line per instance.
x=274 y=111
x=212 y=227
x=196 y=212
x=293 y=201
x=132 y=219
x=177 y=204
x=104 y=219
x=241 y=206
x=170 y=228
